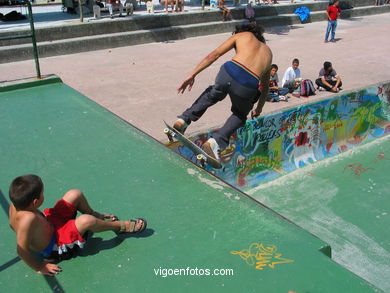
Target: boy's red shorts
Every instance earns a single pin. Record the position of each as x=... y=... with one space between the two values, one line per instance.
x=62 y=216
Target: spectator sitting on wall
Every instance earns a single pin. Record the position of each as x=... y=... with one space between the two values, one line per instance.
x=114 y=3
x=276 y=93
x=292 y=76
x=328 y=79
x=165 y=3
x=226 y=15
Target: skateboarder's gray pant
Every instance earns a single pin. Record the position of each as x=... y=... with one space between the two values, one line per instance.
x=242 y=98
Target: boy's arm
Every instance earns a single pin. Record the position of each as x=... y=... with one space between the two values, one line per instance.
x=325 y=82
x=338 y=81
x=264 y=92
x=327 y=14
x=286 y=76
x=24 y=235
x=206 y=62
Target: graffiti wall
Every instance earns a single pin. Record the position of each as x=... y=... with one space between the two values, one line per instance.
x=270 y=146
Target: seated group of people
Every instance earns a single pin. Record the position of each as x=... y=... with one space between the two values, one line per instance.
x=328 y=80
x=176 y=5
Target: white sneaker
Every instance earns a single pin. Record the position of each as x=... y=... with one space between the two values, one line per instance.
x=321 y=89
x=283 y=98
x=211 y=148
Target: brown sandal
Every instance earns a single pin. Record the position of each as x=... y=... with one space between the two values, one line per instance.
x=132 y=228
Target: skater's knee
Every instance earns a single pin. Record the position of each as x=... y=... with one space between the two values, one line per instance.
x=73 y=196
x=85 y=222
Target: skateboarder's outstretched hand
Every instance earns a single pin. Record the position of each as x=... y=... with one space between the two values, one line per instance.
x=188 y=82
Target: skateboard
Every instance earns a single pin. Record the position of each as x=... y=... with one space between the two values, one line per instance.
x=201 y=156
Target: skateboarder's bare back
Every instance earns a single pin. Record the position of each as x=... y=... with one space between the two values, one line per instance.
x=239 y=78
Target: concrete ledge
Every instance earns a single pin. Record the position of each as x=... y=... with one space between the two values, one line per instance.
x=120 y=39
x=147 y=22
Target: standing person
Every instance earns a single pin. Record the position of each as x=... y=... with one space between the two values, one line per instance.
x=328 y=79
x=291 y=76
x=333 y=13
x=239 y=78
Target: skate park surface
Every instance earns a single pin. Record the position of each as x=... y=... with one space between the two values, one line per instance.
x=278 y=159
x=195 y=220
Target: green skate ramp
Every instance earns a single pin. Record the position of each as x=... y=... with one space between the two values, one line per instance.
x=195 y=221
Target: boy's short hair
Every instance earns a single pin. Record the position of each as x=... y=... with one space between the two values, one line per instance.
x=295 y=60
x=274 y=66
x=327 y=65
x=24 y=189
x=255 y=29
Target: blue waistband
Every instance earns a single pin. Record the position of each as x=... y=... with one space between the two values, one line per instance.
x=241 y=75
x=47 y=251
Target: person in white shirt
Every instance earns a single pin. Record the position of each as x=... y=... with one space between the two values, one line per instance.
x=291 y=76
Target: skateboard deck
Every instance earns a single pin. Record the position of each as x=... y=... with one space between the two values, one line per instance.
x=201 y=155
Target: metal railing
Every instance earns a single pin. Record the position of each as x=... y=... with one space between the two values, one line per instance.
x=30 y=35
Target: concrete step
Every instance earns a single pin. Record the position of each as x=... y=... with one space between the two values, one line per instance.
x=119 y=39
x=147 y=22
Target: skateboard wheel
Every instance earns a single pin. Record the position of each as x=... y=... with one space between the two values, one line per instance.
x=199 y=157
x=169 y=134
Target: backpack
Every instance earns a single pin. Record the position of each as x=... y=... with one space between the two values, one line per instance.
x=307 y=88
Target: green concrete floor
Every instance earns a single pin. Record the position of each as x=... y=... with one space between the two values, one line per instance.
x=194 y=219
x=343 y=200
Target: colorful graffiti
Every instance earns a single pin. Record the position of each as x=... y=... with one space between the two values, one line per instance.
x=272 y=145
x=261 y=256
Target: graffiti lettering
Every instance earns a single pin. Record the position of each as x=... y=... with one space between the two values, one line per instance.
x=261 y=256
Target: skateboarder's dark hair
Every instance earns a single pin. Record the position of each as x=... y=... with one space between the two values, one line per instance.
x=255 y=29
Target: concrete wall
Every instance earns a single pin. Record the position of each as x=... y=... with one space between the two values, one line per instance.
x=276 y=144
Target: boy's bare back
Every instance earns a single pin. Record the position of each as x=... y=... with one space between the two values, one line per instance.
x=31 y=227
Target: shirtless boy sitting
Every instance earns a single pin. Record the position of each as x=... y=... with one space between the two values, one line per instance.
x=57 y=229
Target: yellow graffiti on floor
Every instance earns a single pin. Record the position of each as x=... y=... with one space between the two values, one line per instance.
x=261 y=256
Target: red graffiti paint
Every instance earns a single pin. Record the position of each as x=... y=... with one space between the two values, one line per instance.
x=343 y=148
x=301 y=139
x=328 y=146
x=357 y=169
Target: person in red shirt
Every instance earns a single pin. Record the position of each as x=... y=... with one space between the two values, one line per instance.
x=333 y=13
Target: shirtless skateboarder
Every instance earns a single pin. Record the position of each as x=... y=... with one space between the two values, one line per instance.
x=239 y=78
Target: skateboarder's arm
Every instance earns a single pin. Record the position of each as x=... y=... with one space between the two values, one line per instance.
x=206 y=62
x=214 y=55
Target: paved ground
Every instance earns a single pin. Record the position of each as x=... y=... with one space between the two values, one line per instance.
x=139 y=82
